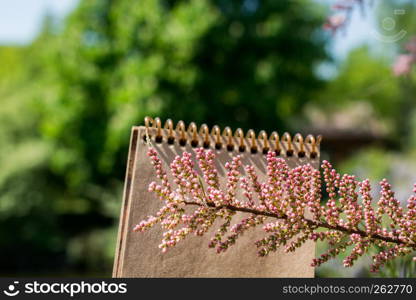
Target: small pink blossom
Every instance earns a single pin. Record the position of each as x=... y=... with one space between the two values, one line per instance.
x=403 y=64
x=334 y=22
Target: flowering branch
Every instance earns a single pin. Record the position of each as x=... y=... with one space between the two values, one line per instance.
x=310 y=222
x=287 y=205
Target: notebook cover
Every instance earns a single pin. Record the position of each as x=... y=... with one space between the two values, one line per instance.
x=138 y=255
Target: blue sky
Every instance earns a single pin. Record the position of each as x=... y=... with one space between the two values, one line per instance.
x=20 y=21
x=358 y=32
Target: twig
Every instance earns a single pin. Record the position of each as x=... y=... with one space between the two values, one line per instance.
x=311 y=223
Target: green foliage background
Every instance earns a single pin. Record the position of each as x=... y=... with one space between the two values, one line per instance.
x=69 y=99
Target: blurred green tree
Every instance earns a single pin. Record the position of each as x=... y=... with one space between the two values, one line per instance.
x=74 y=93
x=363 y=76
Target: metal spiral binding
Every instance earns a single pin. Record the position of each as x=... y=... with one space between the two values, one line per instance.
x=204 y=137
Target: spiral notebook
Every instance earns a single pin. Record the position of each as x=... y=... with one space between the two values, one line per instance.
x=138 y=255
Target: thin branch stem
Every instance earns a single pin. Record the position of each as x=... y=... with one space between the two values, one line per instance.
x=311 y=223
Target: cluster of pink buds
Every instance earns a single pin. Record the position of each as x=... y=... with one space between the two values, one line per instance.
x=404 y=62
x=288 y=206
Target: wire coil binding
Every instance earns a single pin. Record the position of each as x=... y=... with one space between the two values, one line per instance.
x=204 y=137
